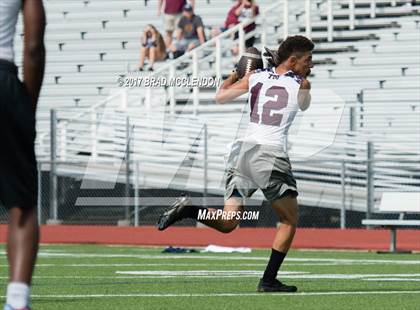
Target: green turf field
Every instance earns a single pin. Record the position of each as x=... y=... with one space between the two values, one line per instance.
x=105 y=277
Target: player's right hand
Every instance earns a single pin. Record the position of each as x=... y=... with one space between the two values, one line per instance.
x=234 y=76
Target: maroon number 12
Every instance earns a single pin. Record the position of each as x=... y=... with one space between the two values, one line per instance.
x=280 y=100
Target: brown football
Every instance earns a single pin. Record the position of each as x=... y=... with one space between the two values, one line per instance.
x=250 y=60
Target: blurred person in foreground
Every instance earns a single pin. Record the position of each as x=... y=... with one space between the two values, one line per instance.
x=18 y=168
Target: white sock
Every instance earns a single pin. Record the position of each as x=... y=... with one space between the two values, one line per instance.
x=17 y=295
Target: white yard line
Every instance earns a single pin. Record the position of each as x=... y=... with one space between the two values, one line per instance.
x=218 y=264
x=142 y=265
x=163 y=274
x=393 y=279
x=250 y=275
x=282 y=295
x=225 y=257
x=215 y=273
x=239 y=273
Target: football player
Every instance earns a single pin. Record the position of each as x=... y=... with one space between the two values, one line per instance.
x=259 y=159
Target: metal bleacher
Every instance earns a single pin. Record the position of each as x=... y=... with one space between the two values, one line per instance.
x=365 y=89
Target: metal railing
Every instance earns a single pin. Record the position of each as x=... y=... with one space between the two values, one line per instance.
x=350 y=186
x=121 y=97
x=170 y=70
x=181 y=152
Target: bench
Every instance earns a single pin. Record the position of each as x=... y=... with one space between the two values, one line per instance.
x=324 y=27
x=378 y=4
x=396 y=202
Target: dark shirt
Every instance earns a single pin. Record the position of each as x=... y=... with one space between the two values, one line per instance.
x=189 y=26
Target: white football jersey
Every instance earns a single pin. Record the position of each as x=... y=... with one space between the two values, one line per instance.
x=9 y=11
x=273 y=106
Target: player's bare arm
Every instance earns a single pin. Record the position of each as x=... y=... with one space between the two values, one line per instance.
x=232 y=88
x=34 y=51
x=304 y=95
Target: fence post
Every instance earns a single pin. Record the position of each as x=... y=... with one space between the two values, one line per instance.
x=286 y=18
x=205 y=168
x=39 y=198
x=53 y=167
x=241 y=38
x=352 y=120
x=343 y=196
x=264 y=31
x=196 y=90
x=360 y=100
x=63 y=141
x=171 y=90
x=218 y=59
x=124 y=99
x=370 y=180
x=351 y=14
x=136 y=195
x=308 y=28
x=127 y=169
x=330 y=20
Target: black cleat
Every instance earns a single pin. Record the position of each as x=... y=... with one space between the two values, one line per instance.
x=174 y=213
x=275 y=286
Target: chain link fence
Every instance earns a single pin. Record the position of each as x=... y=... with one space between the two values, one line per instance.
x=338 y=194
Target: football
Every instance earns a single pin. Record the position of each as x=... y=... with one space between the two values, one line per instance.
x=249 y=61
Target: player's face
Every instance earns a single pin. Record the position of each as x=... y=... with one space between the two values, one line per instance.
x=302 y=65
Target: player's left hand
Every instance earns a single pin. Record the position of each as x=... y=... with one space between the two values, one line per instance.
x=305 y=84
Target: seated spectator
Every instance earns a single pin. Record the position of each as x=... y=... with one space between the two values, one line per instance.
x=172 y=13
x=231 y=20
x=190 y=32
x=247 y=9
x=241 y=10
x=153 y=47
